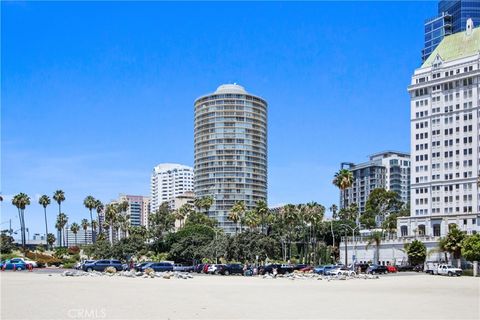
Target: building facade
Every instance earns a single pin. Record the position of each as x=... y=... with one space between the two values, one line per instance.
x=444 y=139
x=80 y=239
x=168 y=181
x=389 y=170
x=452 y=18
x=230 y=137
x=138 y=209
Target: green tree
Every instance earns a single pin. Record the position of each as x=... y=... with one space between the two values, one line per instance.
x=160 y=223
x=252 y=219
x=375 y=238
x=200 y=218
x=6 y=243
x=416 y=252
x=59 y=197
x=453 y=242
x=85 y=224
x=51 y=239
x=343 y=180
x=380 y=204
x=261 y=209
x=62 y=220
x=74 y=227
x=90 y=203
x=44 y=201
x=236 y=213
x=99 y=208
x=21 y=201
x=471 y=247
x=111 y=212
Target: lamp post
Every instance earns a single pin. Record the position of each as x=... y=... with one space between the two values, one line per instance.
x=353 y=239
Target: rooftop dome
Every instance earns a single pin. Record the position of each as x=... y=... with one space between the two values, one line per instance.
x=231 y=88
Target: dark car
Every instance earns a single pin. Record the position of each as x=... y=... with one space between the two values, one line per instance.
x=139 y=266
x=406 y=267
x=363 y=267
x=199 y=268
x=300 y=266
x=159 y=266
x=281 y=269
x=376 y=268
x=232 y=268
x=101 y=265
x=182 y=268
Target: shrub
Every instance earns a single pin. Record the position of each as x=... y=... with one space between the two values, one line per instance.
x=73 y=250
x=149 y=271
x=60 y=252
x=68 y=265
x=110 y=270
x=43 y=259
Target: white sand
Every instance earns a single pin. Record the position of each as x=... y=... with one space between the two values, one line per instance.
x=417 y=296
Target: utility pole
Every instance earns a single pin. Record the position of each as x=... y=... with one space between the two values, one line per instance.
x=346 y=253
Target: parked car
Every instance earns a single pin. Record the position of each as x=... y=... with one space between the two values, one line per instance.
x=281 y=269
x=231 y=268
x=306 y=269
x=16 y=263
x=159 y=266
x=298 y=267
x=205 y=268
x=79 y=265
x=341 y=271
x=199 y=268
x=101 y=265
x=391 y=269
x=363 y=267
x=407 y=267
x=213 y=269
x=447 y=270
x=328 y=268
x=376 y=268
x=418 y=268
x=182 y=268
x=319 y=269
x=30 y=262
x=139 y=266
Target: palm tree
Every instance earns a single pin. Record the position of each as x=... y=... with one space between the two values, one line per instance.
x=44 y=201
x=315 y=213
x=59 y=230
x=59 y=197
x=85 y=224
x=207 y=203
x=51 y=239
x=236 y=213
x=333 y=209
x=99 y=207
x=21 y=201
x=62 y=220
x=90 y=203
x=453 y=243
x=125 y=224
x=376 y=239
x=261 y=209
x=252 y=219
x=289 y=216
x=74 y=228
x=182 y=213
x=343 y=180
x=111 y=212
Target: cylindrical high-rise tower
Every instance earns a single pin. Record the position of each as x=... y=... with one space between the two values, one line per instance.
x=230 y=150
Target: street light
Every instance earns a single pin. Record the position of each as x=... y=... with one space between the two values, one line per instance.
x=353 y=238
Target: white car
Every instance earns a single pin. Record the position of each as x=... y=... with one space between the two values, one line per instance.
x=212 y=268
x=342 y=271
x=447 y=270
x=28 y=261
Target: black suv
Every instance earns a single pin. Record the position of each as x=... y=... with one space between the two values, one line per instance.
x=101 y=265
x=281 y=269
x=376 y=268
x=232 y=268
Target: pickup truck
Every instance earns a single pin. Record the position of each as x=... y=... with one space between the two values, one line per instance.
x=447 y=270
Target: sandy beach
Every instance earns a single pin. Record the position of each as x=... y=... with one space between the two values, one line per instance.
x=405 y=296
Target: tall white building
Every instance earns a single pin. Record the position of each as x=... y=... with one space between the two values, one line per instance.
x=168 y=181
x=444 y=139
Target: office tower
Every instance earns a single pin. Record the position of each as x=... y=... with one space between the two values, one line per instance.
x=389 y=170
x=138 y=209
x=451 y=18
x=444 y=138
x=168 y=181
x=230 y=137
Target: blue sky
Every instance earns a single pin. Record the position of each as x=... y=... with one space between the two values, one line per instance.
x=95 y=94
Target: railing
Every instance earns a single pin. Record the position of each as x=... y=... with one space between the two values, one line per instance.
x=388 y=238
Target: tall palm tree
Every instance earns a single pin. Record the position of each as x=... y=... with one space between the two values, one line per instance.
x=99 y=207
x=289 y=216
x=252 y=219
x=94 y=225
x=261 y=209
x=376 y=239
x=85 y=224
x=111 y=212
x=59 y=230
x=59 y=197
x=51 y=239
x=343 y=180
x=62 y=220
x=207 y=203
x=21 y=201
x=125 y=224
x=74 y=227
x=44 y=201
x=90 y=203
x=182 y=213
x=236 y=213
x=333 y=209
x=315 y=214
